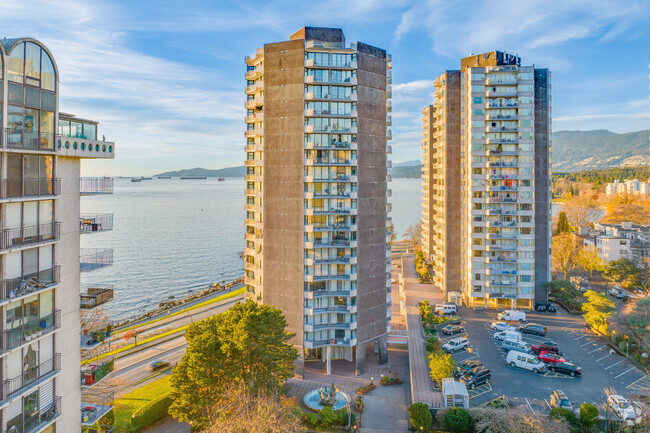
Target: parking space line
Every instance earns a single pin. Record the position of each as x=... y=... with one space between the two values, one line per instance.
x=600 y=359
x=580 y=338
x=588 y=342
x=549 y=406
x=626 y=371
x=529 y=406
x=604 y=345
x=615 y=364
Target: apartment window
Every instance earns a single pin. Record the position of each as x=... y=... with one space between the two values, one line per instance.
x=478 y=100
x=320 y=59
x=339 y=92
x=339 y=59
x=322 y=75
x=525 y=88
x=339 y=76
x=478 y=112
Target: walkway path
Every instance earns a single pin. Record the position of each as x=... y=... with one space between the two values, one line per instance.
x=421 y=385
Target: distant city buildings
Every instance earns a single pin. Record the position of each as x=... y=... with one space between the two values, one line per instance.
x=629 y=187
x=316 y=191
x=39 y=247
x=486 y=211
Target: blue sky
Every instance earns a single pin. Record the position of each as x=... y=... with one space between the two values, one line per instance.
x=165 y=78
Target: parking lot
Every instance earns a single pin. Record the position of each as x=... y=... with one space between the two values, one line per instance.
x=601 y=369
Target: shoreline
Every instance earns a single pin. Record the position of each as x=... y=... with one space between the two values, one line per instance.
x=166 y=306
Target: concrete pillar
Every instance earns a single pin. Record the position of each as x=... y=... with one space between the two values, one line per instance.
x=329 y=359
x=514 y=304
x=383 y=349
x=360 y=362
x=299 y=363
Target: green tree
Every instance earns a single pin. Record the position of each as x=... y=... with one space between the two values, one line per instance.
x=624 y=271
x=587 y=259
x=588 y=415
x=564 y=414
x=457 y=419
x=598 y=309
x=563 y=224
x=442 y=365
x=245 y=346
x=420 y=417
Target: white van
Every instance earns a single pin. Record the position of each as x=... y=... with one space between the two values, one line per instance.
x=526 y=361
x=516 y=346
x=512 y=315
x=446 y=309
x=507 y=335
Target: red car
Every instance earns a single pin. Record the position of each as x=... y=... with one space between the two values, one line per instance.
x=548 y=346
x=550 y=358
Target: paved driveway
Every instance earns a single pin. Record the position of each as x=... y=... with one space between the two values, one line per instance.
x=601 y=369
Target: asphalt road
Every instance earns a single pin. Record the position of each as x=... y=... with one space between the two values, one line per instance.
x=602 y=370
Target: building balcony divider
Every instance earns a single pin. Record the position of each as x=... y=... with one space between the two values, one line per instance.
x=96 y=185
x=30 y=235
x=31 y=330
x=95 y=258
x=29 y=187
x=40 y=419
x=89 y=223
x=31 y=377
x=31 y=283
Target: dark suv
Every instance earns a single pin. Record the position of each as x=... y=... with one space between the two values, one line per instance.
x=533 y=328
x=476 y=377
x=465 y=366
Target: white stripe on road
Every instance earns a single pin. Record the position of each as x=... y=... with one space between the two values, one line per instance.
x=529 y=407
x=588 y=342
x=626 y=371
x=615 y=364
x=609 y=354
x=549 y=406
x=580 y=338
x=604 y=345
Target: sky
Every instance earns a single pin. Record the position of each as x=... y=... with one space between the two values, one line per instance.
x=165 y=79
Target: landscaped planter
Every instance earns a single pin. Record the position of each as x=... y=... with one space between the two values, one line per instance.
x=390 y=381
x=365 y=389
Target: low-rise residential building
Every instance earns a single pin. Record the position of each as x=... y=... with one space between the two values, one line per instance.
x=631 y=187
x=617 y=241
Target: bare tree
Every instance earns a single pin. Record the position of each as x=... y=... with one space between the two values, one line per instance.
x=240 y=411
x=563 y=253
x=94 y=319
x=414 y=234
x=582 y=211
x=517 y=420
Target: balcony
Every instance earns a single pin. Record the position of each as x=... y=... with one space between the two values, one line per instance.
x=30 y=235
x=27 y=188
x=30 y=283
x=37 y=421
x=27 y=140
x=96 y=185
x=501 y=117
x=31 y=377
x=344 y=342
x=95 y=372
x=95 y=404
x=82 y=147
x=389 y=135
x=500 y=105
x=23 y=333
x=90 y=223
x=95 y=258
x=95 y=296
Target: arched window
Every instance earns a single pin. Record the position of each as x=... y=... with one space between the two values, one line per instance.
x=29 y=64
x=48 y=76
x=16 y=64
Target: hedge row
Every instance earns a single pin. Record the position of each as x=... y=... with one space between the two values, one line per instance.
x=151 y=412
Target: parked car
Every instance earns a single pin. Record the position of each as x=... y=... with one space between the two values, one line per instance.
x=617 y=292
x=466 y=366
x=627 y=296
x=584 y=287
x=551 y=308
x=157 y=365
x=507 y=335
x=622 y=408
x=526 y=361
x=547 y=346
x=452 y=329
x=476 y=377
x=512 y=316
x=516 y=346
x=559 y=399
x=540 y=306
x=567 y=368
x=501 y=326
x=446 y=308
x=455 y=345
x=550 y=358
x=533 y=328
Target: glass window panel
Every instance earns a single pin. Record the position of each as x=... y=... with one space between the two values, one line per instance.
x=64 y=128
x=30 y=262
x=16 y=94
x=47 y=130
x=76 y=129
x=48 y=101
x=15 y=63
x=46 y=170
x=33 y=61
x=32 y=97
x=90 y=131
x=48 y=76
x=31 y=123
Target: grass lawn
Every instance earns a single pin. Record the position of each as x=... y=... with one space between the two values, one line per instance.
x=129 y=403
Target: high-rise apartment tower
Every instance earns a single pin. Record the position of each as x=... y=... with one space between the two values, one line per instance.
x=316 y=188
x=487 y=156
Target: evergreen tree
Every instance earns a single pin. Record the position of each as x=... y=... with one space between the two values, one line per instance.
x=563 y=224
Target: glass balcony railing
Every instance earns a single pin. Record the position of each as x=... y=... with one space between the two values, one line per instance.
x=27 y=140
x=96 y=185
x=22 y=333
x=31 y=377
x=29 y=187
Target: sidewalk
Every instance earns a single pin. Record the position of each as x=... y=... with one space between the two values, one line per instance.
x=421 y=385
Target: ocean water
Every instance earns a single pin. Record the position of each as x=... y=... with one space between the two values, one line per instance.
x=172 y=237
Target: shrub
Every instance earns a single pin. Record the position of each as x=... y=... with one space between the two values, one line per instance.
x=588 y=415
x=420 y=416
x=327 y=416
x=441 y=364
x=622 y=346
x=151 y=412
x=433 y=345
x=310 y=419
x=457 y=419
x=566 y=414
x=342 y=417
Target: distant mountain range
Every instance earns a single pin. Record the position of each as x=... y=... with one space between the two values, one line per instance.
x=572 y=151
x=239 y=171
